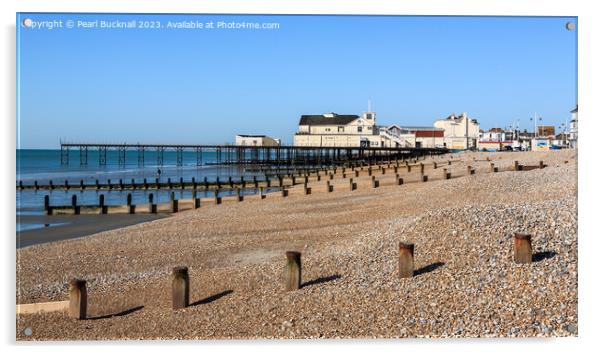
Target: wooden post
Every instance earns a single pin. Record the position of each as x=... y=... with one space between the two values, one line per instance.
x=35 y=183
x=131 y=208
x=284 y=192
x=307 y=189
x=239 y=195
x=375 y=183
x=357 y=173
x=406 y=260
x=409 y=168
x=67 y=185
x=74 y=204
x=181 y=182
x=101 y=204
x=173 y=203
x=446 y=175
x=50 y=184
x=541 y=165
x=180 y=288
x=78 y=299
x=121 y=184
x=133 y=184
x=194 y=184
x=434 y=165
x=152 y=207
x=469 y=170
x=292 y=273
x=421 y=168
x=195 y=200
x=329 y=187
x=81 y=184
x=47 y=207
x=217 y=198
x=491 y=167
x=261 y=194
x=516 y=166
x=425 y=178
x=449 y=162
x=522 y=248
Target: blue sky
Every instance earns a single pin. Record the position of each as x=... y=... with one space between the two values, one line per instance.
x=206 y=85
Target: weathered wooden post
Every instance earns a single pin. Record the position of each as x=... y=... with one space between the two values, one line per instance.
x=516 y=166
x=239 y=195
x=157 y=184
x=284 y=192
x=173 y=202
x=449 y=162
x=120 y=184
x=67 y=185
x=78 y=299
x=292 y=272
x=194 y=184
x=81 y=184
x=152 y=207
x=74 y=204
x=421 y=168
x=101 y=204
x=255 y=183
x=541 y=165
x=425 y=178
x=399 y=180
x=434 y=165
x=180 y=288
x=218 y=183
x=196 y=202
x=446 y=175
x=469 y=170
x=181 y=182
x=261 y=193
x=406 y=260
x=35 y=184
x=47 y=207
x=50 y=184
x=370 y=171
x=133 y=184
x=306 y=189
x=409 y=167
x=169 y=184
x=243 y=183
x=280 y=181
x=230 y=182
x=491 y=167
x=329 y=187
x=357 y=173
x=383 y=170
x=131 y=207
x=396 y=169
x=352 y=185
x=522 y=248
x=216 y=197
x=375 y=183
x=206 y=183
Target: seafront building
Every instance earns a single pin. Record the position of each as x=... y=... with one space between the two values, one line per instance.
x=460 y=133
x=345 y=130
x=573 y=128
x=256 y=140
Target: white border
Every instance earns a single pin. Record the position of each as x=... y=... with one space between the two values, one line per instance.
x=589 y=124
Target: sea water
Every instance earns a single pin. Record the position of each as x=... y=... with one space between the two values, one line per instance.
x=45 y=165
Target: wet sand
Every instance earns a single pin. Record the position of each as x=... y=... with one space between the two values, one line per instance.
x=76 y=226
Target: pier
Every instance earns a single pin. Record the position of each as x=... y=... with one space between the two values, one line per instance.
x=244 y=155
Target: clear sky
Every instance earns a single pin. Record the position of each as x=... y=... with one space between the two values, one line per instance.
x=205 y=85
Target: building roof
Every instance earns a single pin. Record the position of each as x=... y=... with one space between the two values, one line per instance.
x=421 y=128
x=575 y=110
x=250 y=136
x=496 y=130
x=320 y=119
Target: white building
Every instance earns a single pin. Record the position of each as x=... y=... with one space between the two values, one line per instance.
x=256 y=140
x=573 y=128
x=459 y=132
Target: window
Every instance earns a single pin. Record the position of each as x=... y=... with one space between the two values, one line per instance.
x=359 y=129
x=341 y=129
x=369 y=127
x=327 y=129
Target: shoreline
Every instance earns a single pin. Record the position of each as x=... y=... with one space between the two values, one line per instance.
x=71 y=227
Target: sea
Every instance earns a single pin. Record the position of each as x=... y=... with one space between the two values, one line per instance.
x=44 y=166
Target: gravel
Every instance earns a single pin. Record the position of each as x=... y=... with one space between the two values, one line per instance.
x=465 y=284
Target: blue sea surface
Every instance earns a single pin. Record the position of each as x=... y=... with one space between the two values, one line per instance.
x=45 y=165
